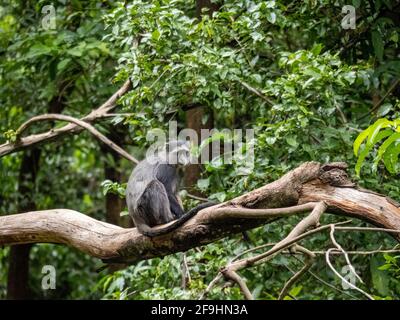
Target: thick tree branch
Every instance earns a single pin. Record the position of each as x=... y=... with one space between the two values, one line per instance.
x=309 y=183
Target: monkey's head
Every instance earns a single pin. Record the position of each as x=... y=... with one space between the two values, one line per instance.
x=176 y=152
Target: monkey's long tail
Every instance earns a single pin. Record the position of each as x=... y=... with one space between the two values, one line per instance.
x=150 y=232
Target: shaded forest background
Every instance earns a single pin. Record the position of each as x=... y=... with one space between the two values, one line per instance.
x=287 y=69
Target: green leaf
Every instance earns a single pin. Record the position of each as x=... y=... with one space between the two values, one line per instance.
x=380 y=279
x=376 y=127
x=292 y=141
x=220 y=196
x=271 y=17
x=316 y=49
x=76 y=51
x=38 y=50
x=370 y=144
x=63 y=64
x=360 y=139
x=392 y=152
x=384 y=109
x=391 y=156
x=123 y=213
x=393 y=137
x=296 y=290
x=378 y=44
x=203 y=184
x=155 y=35
x=350 y=77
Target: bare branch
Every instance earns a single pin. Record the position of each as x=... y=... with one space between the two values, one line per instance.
x=185 y=272
x=226 y=212
x=229 y=271
x=232 y=275
x=34 y=139
x=365 y=253
x=97 y=134
x=309 y=260
x=327 y=257
x=298 y=230
x=294 y=190
x=256 y=92
x=210 y=286
x=367 y=229
x=331 y=286
x=346 y=256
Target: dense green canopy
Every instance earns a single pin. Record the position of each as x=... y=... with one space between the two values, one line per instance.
x=289 y=70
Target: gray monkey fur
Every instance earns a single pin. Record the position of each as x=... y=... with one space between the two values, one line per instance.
x=152 y=191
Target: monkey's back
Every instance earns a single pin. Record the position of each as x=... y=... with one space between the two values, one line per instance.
x=141 y=177
x=146 y=195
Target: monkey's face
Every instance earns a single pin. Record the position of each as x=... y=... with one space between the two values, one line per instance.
x=181 y=155
x=178 y=153
x=184 y=157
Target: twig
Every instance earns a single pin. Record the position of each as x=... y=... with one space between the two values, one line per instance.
x=299 y=230
x=359 y=252
x=367 y=229
x=331 y=286
x=323 y=281
x=256 y=92
x=192 y=196
x=346 y=256
x=375 y=107
x=112 y=115
x=243 y=263
x=342 y=278
x=309 y=260
x=185 y=272
x=252 y=249
x=210 y=286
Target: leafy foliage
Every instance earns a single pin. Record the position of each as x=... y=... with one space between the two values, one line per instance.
x=287 y=70
x=385 y=132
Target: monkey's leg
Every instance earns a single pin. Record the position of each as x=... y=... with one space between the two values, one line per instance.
x=156 y=204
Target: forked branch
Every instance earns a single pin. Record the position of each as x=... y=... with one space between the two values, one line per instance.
x=97 y=134
x=310 y=185
x=101 y=111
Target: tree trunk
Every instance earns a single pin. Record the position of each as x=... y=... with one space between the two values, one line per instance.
x=114 y=203
x=18 y=267
x=194 y=121
x=195 y=116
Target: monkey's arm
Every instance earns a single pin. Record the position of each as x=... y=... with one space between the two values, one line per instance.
x=175 y=206
x=168 y=176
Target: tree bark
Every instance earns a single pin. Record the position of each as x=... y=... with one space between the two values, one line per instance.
x=294 y=193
